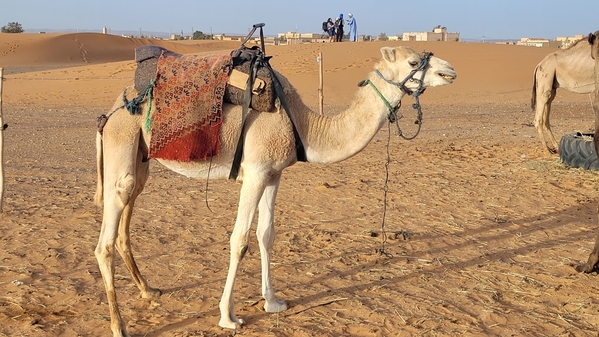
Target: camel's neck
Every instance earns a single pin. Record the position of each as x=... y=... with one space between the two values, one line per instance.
x=333 y=139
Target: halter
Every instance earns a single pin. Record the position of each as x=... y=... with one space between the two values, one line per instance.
x=393 y=117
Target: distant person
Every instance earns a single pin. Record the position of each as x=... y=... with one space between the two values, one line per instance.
x=353 y=28
x=331 y=30
x=339 y=28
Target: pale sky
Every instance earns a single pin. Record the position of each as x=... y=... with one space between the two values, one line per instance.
x=473 y=19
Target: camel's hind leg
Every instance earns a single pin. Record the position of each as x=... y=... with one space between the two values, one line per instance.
x=266 y=237
x=254 y=182
x=545 y=96
x=123 y=242
x=119 y=187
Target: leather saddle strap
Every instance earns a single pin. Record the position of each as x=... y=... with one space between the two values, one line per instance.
x=299 y=146
x=247 y=99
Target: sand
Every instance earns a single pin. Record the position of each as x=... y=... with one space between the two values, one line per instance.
x=483 y=225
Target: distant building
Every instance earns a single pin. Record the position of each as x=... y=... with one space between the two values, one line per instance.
x=299 y=38
x=224 y=37
x=268 y=40
x=538 y=42
x=569 y=40
x=438 y=34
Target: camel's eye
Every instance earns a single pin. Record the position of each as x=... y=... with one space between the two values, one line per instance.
x=414 y=63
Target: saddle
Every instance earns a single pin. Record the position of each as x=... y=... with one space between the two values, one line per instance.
x=252 y=83
x=263 y=93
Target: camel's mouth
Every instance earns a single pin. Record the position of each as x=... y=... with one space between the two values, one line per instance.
x=449 y=77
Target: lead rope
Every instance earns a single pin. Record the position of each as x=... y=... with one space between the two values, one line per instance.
x=393 y=117
x=382 y=251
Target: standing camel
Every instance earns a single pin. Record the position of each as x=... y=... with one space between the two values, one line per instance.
x=123 y=167
x=593 y=40
x=571 y=69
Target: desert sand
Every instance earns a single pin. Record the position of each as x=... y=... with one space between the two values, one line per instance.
x=483 y=226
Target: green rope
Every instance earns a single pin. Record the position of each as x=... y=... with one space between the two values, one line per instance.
x=133 y=106
x=392 y=111
x=148 y=125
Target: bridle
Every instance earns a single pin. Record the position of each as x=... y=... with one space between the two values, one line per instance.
x=393 y=116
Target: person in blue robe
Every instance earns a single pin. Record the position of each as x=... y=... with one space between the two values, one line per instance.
x=353 y=28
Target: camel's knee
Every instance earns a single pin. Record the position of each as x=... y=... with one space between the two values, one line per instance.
x=239 y=246
x=103 y=252
x=238 y=252
x=124 y=189
x=242 y=252
x=546 y=95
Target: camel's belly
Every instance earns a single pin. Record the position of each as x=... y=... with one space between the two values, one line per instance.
x=198 y=170
x=583 y=88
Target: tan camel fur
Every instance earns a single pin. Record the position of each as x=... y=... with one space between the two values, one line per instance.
x=269 y=148
x=593 y=40
x=571 y=69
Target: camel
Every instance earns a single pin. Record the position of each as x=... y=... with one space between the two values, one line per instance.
x=593 y=39
x=571 y=69
x=123 y=168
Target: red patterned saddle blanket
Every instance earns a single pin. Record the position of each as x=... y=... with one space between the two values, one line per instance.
x=188 y=100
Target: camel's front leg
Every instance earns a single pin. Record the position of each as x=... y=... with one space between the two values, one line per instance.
x=594 y=256
x=251 y=190
x=589 y=267
x=266 y=237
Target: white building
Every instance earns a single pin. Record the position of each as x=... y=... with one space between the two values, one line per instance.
x=438 y=34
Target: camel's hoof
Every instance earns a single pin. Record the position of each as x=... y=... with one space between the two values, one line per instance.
x=584 y=268
x=276 y=306
x=151 y=293
x=120 y=332
x=235 y=323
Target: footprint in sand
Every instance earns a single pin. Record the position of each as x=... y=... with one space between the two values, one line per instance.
x=82 y=51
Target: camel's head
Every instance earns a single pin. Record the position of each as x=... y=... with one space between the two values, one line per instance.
x=400 y=62
x=594 y=42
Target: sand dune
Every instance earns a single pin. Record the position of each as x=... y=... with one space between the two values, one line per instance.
x=483 y=225
x=489 y=72
x=84 y=48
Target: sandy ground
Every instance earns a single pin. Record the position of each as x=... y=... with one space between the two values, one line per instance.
x=483 y=226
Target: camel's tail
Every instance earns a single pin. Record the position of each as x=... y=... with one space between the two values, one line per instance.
x=100 y=167
x=533 y=99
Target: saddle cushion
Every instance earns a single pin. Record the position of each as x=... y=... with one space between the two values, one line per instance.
x=147 y=61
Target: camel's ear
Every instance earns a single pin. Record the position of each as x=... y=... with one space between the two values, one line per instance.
x=591 y=38
x=388 y=54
